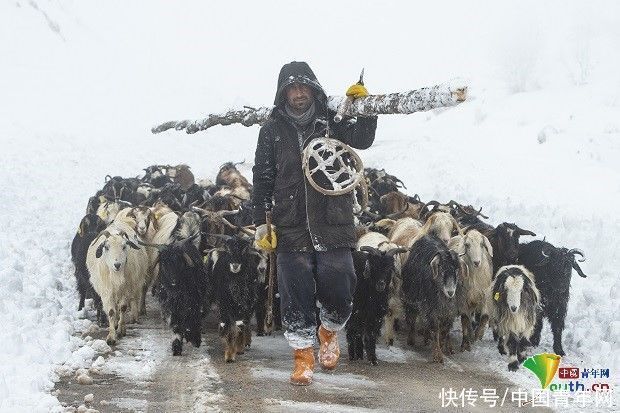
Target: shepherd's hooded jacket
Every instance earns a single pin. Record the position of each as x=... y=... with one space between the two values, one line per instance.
x=305 y=219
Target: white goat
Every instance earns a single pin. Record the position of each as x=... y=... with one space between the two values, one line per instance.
x=118 y=269
x=477 y=253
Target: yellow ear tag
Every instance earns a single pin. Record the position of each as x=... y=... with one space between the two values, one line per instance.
x=205 y=259
x=496 y=297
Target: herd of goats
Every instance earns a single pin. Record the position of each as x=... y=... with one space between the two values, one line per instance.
x=419 y=264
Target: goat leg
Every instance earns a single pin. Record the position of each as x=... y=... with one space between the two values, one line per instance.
x=513 y=358
x=557 y=327
x=481 y=327
x=177 y=345
x=437 y=354
x=535 y=338
x=467 y=330
x=370 y=342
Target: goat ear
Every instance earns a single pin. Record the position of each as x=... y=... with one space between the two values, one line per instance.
x=188 y=259
x=464 y=268
x=99 y=250
x=132 y=245
x=435 y=266
x=367 y=270
x=457 y=227
x=154 y=220
x=487 y=245
x=522 y=231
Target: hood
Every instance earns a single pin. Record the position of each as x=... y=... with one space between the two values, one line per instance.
x=298 y=72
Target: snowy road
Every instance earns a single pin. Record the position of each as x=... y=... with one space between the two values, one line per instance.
x=142 y=375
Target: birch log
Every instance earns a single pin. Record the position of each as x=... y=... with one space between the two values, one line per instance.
x=403 y=103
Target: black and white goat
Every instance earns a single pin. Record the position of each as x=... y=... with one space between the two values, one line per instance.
x=552 y=268
x=375 y=270
x=513 y=307
x=431 y=289
x=232 y=272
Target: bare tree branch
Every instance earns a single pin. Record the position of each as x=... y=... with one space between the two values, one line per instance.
x=403 y=103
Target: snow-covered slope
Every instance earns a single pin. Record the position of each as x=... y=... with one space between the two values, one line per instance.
x=82 y=83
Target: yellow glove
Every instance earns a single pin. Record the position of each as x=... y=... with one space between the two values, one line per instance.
x=260 y=238
x=357 y=91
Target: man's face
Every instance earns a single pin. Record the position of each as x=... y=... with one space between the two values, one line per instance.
x=299 y=97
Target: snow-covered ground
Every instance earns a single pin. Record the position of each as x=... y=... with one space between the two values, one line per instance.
x=82 y=82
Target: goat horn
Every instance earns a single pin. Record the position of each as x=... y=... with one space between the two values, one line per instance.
x=370 y=250
x=579 y=271
x=225 y=212
x=396 y=214
x=220 y=236
x=145 y=244
x=577 y=251
x=395 y=251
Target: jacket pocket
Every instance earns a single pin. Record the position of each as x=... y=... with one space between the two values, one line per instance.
x=339 y=209
x=286 y=207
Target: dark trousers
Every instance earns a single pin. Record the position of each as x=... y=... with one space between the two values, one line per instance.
x=309 y=279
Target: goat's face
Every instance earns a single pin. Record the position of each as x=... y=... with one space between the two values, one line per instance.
x=113 y=250
x=379 y=271
x=443 y=226
x=445 y=267
x=513 y=287
x=508 y=240
x=143 y=218
x=476 y=246
x=237 y=248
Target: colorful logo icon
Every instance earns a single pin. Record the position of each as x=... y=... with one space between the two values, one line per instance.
x=544 y=366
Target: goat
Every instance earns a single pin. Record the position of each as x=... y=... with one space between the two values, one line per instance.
x=395 y=309
x=107 y=210
x=552 y=268
x=90 y=227
x=432 y=284
x=375 y=269
x=156 y=176
x=232 y=272
x=513 y=305
x=399 y=205
x=231 y=182
x=117 y=274
x=477 y=253
x=182 y=294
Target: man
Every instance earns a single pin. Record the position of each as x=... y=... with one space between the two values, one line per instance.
x=314 y=232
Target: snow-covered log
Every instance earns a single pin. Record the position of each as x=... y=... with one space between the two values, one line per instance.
x=401 y=103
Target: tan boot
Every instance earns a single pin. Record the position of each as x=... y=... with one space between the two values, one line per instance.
x=304 y=366
x=330 y=350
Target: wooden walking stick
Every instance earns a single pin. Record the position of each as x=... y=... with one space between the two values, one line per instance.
x=272 y=278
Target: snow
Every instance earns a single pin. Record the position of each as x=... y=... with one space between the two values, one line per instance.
x=536 y=143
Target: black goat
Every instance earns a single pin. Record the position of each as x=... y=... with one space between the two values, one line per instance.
x=431 y=288
x=552 y=268
x=90 y=226
x=374 y=269
x=232 y=272
x=182 y=291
